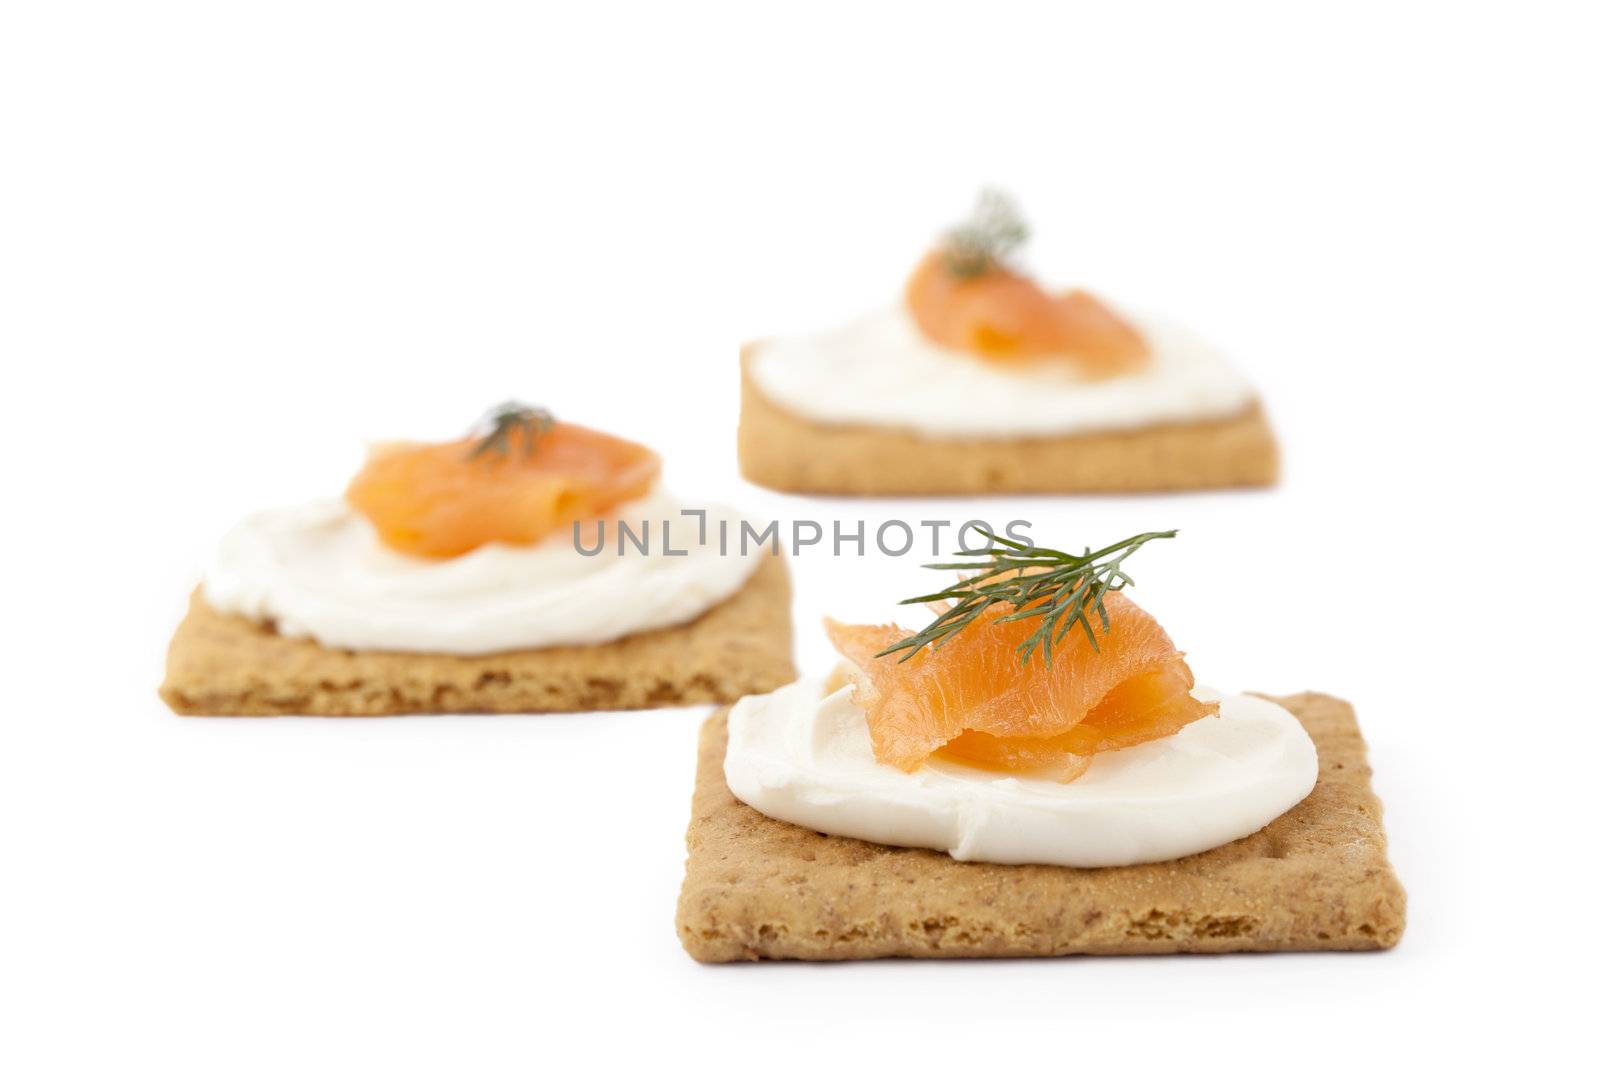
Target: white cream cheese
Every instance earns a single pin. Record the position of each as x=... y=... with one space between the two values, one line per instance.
x=318 y=570
x=803 y=755
x=880 y=370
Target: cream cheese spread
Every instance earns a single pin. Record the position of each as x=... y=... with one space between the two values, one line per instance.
x=802 y=754
x=880 y=370
x=318 y=570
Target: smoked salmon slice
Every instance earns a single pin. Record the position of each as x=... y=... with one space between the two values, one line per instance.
x=975 y=700
x=1001 y=315
x=443 y=500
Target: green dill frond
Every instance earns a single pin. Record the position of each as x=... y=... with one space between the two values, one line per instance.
x=1059 y=589
x=991 y=233
x=503 y=424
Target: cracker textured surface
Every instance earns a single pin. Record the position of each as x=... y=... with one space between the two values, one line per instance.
x=221 y=664
x=787 y=451
x=1317 y=877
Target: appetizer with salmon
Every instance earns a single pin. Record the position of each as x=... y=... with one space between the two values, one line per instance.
x=508 y=570
x=1034 y=772
x=980 y=379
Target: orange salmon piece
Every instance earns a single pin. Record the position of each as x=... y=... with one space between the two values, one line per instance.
x=973 y=700
x=1003 y=316
x=438 y=501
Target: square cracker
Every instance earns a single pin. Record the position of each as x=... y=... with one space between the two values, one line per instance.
x=1315 y=878
x=221 y=664
x=783 y=450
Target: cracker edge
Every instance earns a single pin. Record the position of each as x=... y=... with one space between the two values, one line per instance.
x=222 y=665
x=789 y=452
x=1370 y=887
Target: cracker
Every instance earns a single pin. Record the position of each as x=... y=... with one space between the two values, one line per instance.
x=222 y=664
x=787 y=451
x=1317 y=877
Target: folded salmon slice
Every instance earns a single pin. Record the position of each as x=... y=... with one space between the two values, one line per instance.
x=974 y=700
x=443 y=500
x=1003 y=316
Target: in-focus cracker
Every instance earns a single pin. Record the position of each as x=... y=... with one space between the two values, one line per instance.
x=1317 y=877
x=221 y=664
x=787 y=451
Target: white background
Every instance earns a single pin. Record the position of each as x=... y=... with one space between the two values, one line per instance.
x=237 y=240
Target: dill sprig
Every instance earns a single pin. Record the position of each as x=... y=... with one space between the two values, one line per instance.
x=1059 y=589
x=503 y=423
x=991 y=233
